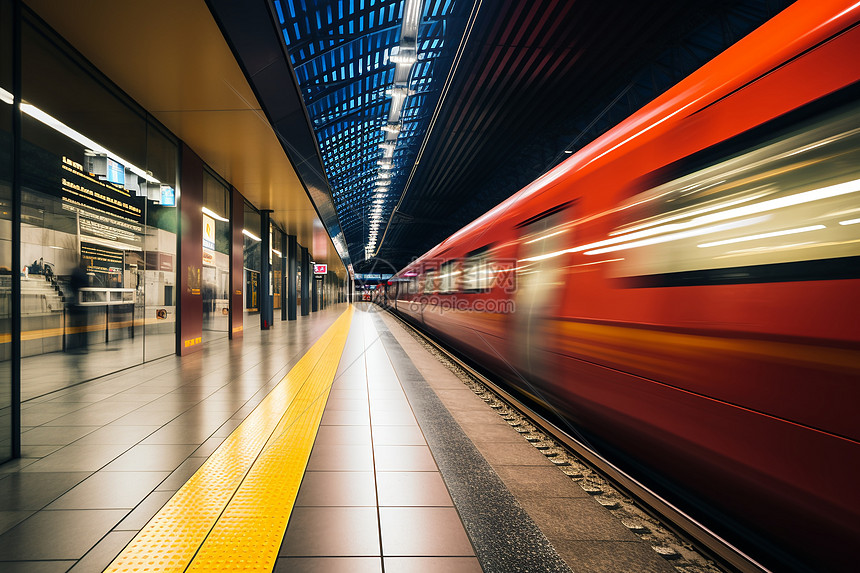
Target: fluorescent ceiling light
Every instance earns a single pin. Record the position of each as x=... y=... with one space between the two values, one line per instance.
x=391 y=128
x=402 y=55
x=850 y=222
x=61 y=127
x=213 y=214
x=277 y=252
x=251 y=235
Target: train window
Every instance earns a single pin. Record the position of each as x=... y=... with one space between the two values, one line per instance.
x=770 y=213
x=476 y=271
x=430 y=282
x=448 y=278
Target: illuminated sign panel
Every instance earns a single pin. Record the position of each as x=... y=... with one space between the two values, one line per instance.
x=320 y=269
x=168 y=196
x=208 y=232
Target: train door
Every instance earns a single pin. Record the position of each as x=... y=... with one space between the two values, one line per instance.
x=539 y=290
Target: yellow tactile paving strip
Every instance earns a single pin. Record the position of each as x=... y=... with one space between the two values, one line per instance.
x=231 y=515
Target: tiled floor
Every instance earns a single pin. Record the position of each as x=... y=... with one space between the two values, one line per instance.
x=372 y=495
x=102 y=457
x=409 y=472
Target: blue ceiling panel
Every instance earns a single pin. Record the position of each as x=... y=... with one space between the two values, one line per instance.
x=341 y=54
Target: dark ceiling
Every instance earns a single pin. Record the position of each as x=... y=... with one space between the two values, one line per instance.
x=535 y=78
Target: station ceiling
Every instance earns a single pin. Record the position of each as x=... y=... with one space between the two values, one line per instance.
x=427 y=113
x=374 y=129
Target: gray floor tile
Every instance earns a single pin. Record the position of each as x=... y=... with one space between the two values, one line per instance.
x=71 y=534
x=432 y=565
x=398 y=418
x=341 y=458
x=423 y=531
x=151 y=458
x=181 y=474
x=345 y=404
x=105 y=551
x=398 y=436
x=55 y=435
x=147 y=508
x=343 y=436
x=76 y=457
x=327 y=488
x=412 y=489
x=116 y=434
x=33 y=491
x=345 y=418
x=35 y=566
x=404 y=459
x=37 y=451
x=208 y=447
x=9 y=519
x=332 y=532
x=328 y=565
x=110 y=490
x=178 y=434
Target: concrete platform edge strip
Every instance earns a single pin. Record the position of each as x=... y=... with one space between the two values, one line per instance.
x=505 y=538
x=232 y=513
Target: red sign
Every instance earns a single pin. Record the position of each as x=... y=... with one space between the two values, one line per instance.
x=320 y=269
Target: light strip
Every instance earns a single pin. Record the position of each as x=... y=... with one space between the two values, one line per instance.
x=677 y=236
x=545 y=237
x=214 y=215
x=277 y=252
x=251 y=235
x=764 y=206
x=58 y=125
x=850 y=222
x=763 y=236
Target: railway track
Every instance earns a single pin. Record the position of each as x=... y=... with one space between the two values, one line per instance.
x=679 y=538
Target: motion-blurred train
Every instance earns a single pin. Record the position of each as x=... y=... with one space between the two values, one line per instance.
x=685 y=290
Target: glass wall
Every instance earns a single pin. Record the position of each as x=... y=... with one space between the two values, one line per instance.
x=276 y=272
x=5 y=230
x=98 y=223
x=160 y=291
x=252 y=260
x=216 y=258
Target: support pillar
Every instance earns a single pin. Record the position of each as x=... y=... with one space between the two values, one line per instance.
x=306 y=263
x=292 y=268
x=266 y=300
x=237 y=263
x=284 y=276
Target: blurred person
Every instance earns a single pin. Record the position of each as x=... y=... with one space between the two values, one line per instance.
x=77 y=313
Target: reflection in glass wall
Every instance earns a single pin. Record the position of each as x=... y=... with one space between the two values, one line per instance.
x=98 y=224
x=5 y=231
x=160 y=248
x=216 y=258
x=252 y=256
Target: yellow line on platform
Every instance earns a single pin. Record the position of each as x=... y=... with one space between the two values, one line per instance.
x=231 y=515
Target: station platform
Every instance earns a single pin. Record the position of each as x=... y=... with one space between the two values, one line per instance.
x=333 y=443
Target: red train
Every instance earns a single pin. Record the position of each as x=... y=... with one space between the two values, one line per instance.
x=686 y=290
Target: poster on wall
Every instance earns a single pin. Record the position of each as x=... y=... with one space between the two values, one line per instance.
x=252 y=290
